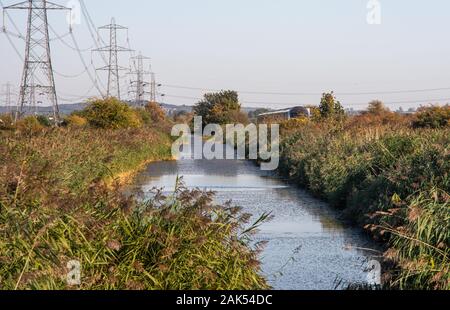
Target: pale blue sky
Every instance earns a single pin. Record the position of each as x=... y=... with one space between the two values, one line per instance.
x=270 y=46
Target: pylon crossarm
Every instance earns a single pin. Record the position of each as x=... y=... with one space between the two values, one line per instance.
x=140 y=57
x=108 y=48
x=54 y=6
x=18 y=6
x=140 y=72
x=107 y=68
x=113 y=26
x=26 y=5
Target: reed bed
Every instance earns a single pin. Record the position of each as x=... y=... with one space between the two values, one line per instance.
x=57 y=204
x=387 y=177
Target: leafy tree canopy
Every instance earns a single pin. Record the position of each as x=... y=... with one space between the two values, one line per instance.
x=330 y=107
x=219 y=108
x=377 y=107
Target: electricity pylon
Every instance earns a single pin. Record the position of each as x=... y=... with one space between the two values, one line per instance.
x=7 y=94
x=113 y=67
x=38 y=62
x=153 y=90
x=139 y=84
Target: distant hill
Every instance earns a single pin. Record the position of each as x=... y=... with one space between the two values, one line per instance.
x=63 y=108
x=66 y=109
x=70 y=108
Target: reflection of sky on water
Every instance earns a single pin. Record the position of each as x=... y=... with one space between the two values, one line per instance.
x=308 y=246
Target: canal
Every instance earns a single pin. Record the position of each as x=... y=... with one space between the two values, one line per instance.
x=309 y=247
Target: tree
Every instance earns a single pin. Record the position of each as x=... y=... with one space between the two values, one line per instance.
x=377 y=107
x=110 y=113
x=219 y=108
x=330 y=107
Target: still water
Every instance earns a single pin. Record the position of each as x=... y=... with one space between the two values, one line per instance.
x=308 y=248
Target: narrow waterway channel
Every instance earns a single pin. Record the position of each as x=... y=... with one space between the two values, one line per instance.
x=308 y=248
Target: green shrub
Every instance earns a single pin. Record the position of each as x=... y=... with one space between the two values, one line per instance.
x=145 y=117
x=44 y=120
x=6 y=122
x=330 y=107
x=76 y=121
x=110 y=113
x=433 y=117
x=29 y=125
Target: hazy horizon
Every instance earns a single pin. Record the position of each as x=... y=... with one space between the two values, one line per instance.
x=264 y=46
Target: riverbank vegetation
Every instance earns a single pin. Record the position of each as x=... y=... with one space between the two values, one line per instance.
x=61 y=201
x=389 y=173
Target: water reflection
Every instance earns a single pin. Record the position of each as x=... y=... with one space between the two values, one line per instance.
x=308 y=247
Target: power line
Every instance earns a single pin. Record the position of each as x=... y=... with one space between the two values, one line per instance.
x=291 y=104
x=16 y=50
x=18 y=36
x=70 y=76
x=132 y=58
x=75 y=47
x=94 y=81
x=5 y=12
x=79 y=97
x=312 y=93
x=96 y=38
x=7 y=33
x=59 y=36
x=61 y=39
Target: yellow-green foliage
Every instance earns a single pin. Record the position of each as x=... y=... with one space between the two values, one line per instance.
x=29 y=125
x=433 y=117
x=156 y=113
x=55 y=207
x=293 y=123
x=76 y=121
x=110 y=113
x=6 y=122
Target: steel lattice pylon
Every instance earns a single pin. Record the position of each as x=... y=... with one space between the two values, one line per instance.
x=7 y=95
x=140 y=84
x=153 y=88
x=37 y=71
x=113 y=67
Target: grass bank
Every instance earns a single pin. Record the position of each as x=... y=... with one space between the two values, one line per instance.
x=58 y=204
x=387 y=177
